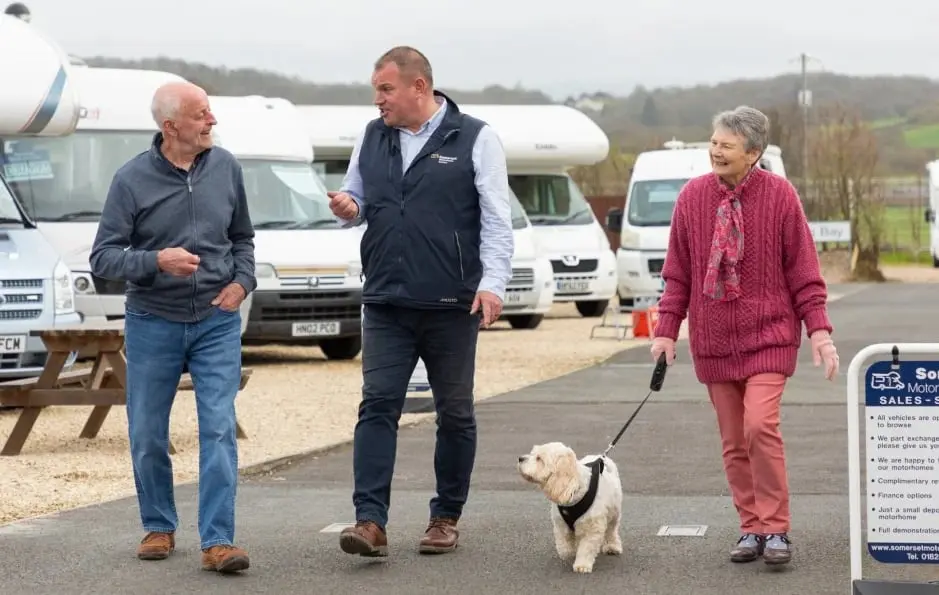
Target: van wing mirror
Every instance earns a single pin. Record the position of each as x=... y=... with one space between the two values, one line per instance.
x=930 y=215
x=614 y=220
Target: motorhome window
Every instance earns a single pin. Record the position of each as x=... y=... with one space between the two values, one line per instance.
x=551 y=200
x=651 y=202
x=332 y=172
x=67 y=178
x=285 y=195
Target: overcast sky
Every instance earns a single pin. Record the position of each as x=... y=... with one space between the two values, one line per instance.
x=545 y=44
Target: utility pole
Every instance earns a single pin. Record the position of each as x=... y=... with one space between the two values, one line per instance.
x=805 y=102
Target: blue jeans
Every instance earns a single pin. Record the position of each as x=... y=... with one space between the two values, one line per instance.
x=157 y=349
x=392 y=340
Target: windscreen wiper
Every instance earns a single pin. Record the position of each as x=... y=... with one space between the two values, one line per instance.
x=315 y=224
x=274 y=224
x=74 y=216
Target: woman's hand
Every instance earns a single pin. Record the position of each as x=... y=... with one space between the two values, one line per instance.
x=823 y=350
x=664 y=345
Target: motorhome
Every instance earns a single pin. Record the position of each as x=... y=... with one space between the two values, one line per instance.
x=65 y=189
x=308 y=269
x=542 y=142
x=39 y=101
x=644 y=222
x=932 y=171
x=333 y=130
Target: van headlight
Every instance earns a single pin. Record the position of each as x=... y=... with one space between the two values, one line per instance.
x=354 y=269
x=62 y=292
x=264 y=271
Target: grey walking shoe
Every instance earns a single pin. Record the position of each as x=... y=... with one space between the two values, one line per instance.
x=777 y=549
x=749 y=547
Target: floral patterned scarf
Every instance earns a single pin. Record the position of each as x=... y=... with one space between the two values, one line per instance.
x=722 y=280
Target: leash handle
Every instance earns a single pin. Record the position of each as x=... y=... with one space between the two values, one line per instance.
x=658 y=374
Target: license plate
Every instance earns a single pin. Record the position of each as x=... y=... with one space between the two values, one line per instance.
x=573 y=286
x=513 y=297
x=316 y=329
x=12 y=343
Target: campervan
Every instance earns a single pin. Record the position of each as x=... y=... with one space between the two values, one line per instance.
x=308 y=269
x=529 y=293
x=657 y=178
x=65 y=189
x=39 y=101
x=932 y=177
x=541 y=143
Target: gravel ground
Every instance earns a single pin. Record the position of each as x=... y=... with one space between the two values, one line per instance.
x=295 y=401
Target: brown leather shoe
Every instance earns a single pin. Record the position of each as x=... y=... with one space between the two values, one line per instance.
x=156 y=546
x=441 y=536
x=366 y=538
x=225 y=558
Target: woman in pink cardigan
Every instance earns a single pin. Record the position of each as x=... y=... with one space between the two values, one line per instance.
x=742 y=265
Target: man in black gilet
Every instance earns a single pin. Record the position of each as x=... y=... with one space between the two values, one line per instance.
x=431 y=186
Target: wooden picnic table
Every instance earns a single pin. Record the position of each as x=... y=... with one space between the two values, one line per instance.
x=101 y=386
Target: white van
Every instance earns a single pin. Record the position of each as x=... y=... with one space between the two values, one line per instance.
x=39 y=101
x=308 y=269
x=932 y=179
x=541 y=143
x=657 y=178
x=529 y=294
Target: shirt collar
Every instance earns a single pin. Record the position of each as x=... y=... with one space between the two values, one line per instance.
x=434 y=121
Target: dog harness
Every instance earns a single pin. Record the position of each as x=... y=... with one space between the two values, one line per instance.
x=572 y=512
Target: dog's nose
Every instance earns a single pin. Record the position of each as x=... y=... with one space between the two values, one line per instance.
x=521 y=459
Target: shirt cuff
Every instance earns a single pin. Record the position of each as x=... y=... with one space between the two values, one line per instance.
x=492 y=286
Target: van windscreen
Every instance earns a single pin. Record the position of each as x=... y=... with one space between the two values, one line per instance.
x=651 y=202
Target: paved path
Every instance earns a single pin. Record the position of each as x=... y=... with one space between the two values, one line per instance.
x=670 y=461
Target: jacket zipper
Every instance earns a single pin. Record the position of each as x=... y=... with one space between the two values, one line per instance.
x=459 y=253
x=192 y=219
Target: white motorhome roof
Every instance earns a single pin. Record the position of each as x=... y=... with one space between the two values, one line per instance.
x=670 y=164
x=537 y=135
x=256 y=127
x=333 y=128
x=119 y=98
x=39 y=95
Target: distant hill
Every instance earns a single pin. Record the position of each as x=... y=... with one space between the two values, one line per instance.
x=903 y=110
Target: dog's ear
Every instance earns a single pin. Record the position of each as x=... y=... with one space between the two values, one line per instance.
x=564 y=480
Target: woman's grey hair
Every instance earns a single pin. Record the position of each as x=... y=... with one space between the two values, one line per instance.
x=747 y=122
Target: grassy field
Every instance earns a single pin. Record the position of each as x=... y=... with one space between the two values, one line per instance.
x=906 y=237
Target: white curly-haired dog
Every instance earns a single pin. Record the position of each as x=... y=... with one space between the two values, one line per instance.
x=585 y=521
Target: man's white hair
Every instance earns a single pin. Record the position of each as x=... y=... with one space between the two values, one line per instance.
x=165 y=106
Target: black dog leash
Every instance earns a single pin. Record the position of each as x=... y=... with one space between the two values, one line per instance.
x=658 y=379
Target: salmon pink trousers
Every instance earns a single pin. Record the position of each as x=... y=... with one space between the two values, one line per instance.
x=754 y=459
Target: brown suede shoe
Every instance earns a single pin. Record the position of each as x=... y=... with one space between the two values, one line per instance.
x=225 y=558
x=441 y=536
x=156 y=546
x=366 y=538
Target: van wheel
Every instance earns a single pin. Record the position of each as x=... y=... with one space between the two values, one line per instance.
x=935 y=262
x=526 y=321
x=344 y=348
x=592 y=309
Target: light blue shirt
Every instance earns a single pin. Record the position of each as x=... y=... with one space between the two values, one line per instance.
x=497 y=240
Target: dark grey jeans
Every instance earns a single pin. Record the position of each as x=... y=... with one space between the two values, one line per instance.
x=392 y=340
